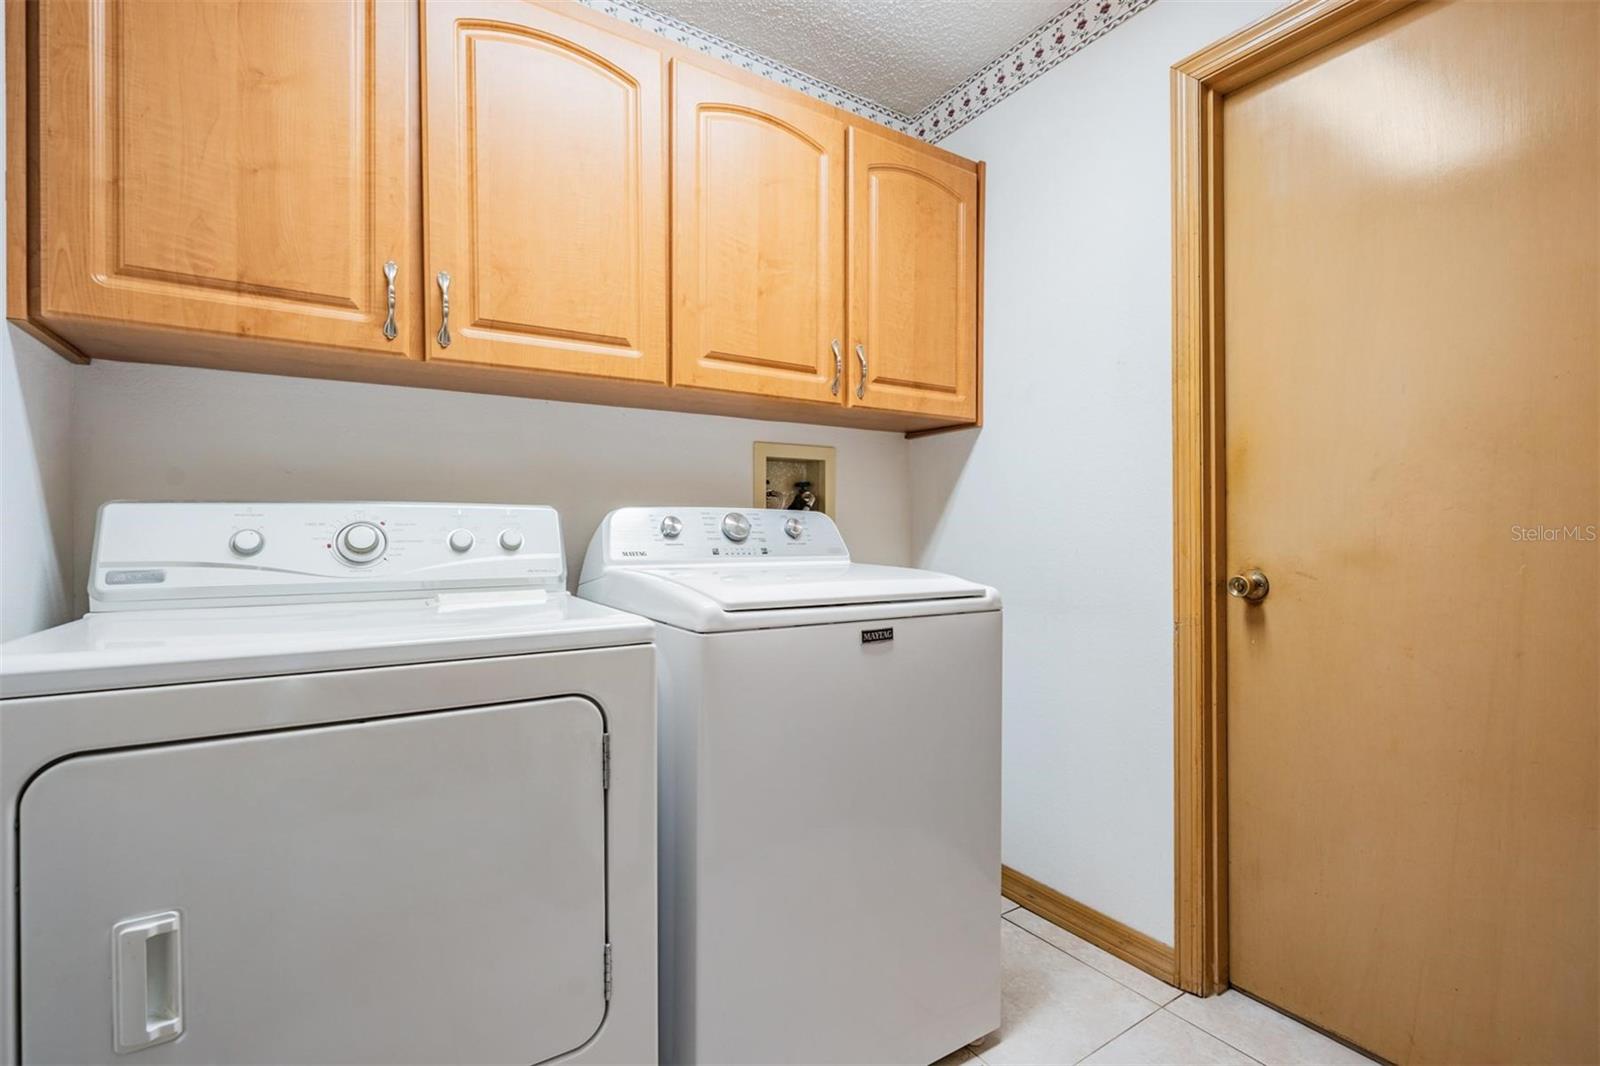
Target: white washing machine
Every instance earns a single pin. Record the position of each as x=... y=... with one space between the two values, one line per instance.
x=329 y=782
x=830 y=789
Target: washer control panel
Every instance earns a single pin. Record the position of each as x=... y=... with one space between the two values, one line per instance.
x=666 y=536
x=159 y=554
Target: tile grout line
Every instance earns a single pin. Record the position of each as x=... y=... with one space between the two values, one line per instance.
x=1155 y=1007
x=1158 y=1007
x=1217 y=1037
x=1096 y=969
x=1124 y=1032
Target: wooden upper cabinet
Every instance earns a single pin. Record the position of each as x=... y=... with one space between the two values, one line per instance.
x=243 y=169
x=545 y=157
x=758 y=240
x=223 y=182
x=913 y=280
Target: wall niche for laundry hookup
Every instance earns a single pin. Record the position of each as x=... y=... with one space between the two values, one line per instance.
x=781 y=472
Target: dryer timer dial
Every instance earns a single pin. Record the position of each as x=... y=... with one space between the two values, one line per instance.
x=360 y=543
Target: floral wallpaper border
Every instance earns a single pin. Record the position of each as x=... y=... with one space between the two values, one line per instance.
x=674 y=29
x=1060 y=37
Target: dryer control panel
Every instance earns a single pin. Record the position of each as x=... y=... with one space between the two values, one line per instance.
x=164 y=554
x=674 y=536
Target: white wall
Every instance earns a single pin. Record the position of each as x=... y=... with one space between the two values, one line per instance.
x=150 y=432
x=35 y=504
x=35 y=458
x=1063 y=500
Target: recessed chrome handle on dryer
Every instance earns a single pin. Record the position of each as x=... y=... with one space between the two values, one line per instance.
x=861 y=385
x=838 y=368
x=147 y=981
x=390 y=269
x=444 y=305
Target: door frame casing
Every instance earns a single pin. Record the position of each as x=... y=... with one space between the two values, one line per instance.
x=1199 y=544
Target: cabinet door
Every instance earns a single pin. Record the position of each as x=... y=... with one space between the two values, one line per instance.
x=913 y=280
x=546 y=192
x=758 y=240
x=230 y=168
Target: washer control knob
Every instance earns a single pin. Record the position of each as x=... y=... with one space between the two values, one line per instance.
x=671 y=526
x=510 y=540
x=794 y=527
x=736 y=527
x=461 y=540
x=360 y=542
x=247 y=542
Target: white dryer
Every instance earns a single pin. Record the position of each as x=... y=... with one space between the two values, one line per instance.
x=830 y=788
x=329 y=782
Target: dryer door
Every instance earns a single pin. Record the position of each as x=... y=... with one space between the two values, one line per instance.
x=420 y=889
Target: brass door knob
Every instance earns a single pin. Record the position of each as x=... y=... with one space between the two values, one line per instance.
x=1250 y=586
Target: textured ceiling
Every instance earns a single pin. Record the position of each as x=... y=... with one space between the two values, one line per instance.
x=901 y=54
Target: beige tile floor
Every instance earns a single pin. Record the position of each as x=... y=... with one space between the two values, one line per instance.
x=1063 y=1000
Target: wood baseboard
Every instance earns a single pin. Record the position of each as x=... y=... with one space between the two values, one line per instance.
x=1101 y=930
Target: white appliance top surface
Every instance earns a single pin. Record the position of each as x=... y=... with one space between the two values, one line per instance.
x=768 y=588
x=711 y=569
x=185 y=592
x=127 y=649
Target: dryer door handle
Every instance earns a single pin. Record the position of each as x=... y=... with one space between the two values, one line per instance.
x=147 y=980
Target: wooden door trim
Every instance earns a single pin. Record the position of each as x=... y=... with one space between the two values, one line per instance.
x=1200 y=787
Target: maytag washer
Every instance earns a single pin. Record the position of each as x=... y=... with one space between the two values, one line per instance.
x=830 y=788
x=329 y=782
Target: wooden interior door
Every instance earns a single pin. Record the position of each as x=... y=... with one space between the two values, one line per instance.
x=545 y=156
x=230 y=168
x=758 y=240
x=1412 y=348
x=913 y=281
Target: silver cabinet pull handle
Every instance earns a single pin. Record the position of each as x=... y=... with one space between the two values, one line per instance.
x=861 y=386
x=838 y=368
x=444 y=303
x=390 y=269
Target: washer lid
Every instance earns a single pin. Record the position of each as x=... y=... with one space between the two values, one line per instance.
x=131 y=649
x=771 y=588
x=705 y=599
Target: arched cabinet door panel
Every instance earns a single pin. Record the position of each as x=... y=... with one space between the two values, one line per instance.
x=546 y=173
x=913 y=281
x=237 y=169
x=758 y=240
